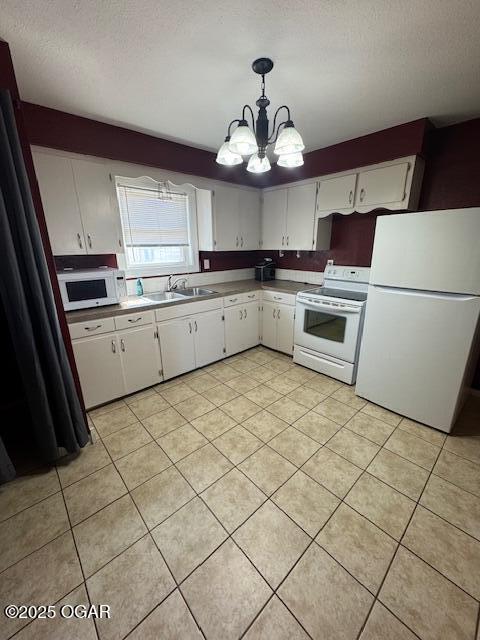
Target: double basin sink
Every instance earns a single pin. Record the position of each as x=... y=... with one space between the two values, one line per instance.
x=179 y=294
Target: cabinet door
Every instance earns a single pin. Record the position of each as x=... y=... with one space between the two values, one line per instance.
x=176 y=346
x=285 y=323
x=98 y=207
x=301 y=217
x=274 y=219
x=60 y=203
x=209 y=334
x=227 y=226
x=249 y=210
x=140 y=357
x=234 y=338
x=382 y=186
x=250 y=329
x=269 y=325
x=336 y=194
x=99 y=368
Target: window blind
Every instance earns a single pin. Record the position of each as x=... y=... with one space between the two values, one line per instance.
x=152 y=217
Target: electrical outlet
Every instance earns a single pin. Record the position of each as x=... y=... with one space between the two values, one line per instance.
x=206 y=264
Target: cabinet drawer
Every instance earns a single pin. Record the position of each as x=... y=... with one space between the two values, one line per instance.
x=284 y=298
x=134 y=320
x=241 y=298
x=187 y=309
x=91 y=328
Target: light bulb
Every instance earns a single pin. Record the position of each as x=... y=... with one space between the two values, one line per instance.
x=289 y=141
x=290 y=160
x=257 y=164
x=227 y=157
x=243 y=140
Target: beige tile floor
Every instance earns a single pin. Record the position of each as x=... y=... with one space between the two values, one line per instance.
x=252 y=498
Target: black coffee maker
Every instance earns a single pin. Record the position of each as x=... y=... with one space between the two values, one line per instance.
x=265 y=270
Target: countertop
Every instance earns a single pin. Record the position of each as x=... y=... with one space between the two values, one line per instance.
x=134 y=303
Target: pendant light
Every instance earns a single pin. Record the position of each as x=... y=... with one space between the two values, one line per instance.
x=254 y=141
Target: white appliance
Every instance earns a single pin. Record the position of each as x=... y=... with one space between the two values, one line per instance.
x=86 y=288
x=420 y=340
x=329 y=322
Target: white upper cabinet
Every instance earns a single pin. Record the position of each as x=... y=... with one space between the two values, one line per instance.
x=391 y=185
x=336 y=194
x=60 y=203
x=288 y=217
x=80 y=204
x=383 y=186
x=300 y=217
x=98 y=207
x=228 y=219
x=274 y=219
x=249 y=210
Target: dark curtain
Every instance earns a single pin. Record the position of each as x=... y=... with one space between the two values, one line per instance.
x=57 y=421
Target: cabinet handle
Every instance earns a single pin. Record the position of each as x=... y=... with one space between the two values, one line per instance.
x=277 y=298
x=190 y=327
x=362 y=194
x=79 y=238
x=196 y=327
x=114 y=347
x=350 y=197
x=119 y=242
x=93 y=328
x=236 y=243
x=245 y=312
x=274 y=313
x=241 y=241
x=241 y=314
x=252 y=295
x=283 y=240
x=278 y=314
x=89 y=238
x=288 y=240
x=134 y=319
x=233 y=299
x=122 y=344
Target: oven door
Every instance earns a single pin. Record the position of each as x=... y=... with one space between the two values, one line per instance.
x=327 y=329
x=84 y=292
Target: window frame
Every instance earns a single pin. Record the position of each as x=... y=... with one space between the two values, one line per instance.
x=162 y=269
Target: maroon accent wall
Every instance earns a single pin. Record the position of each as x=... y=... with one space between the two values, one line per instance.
x=86 y=262
x=59 y=130
x=403 y=140
x=8 y=81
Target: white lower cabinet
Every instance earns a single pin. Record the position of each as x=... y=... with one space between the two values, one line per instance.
x=209 y=337
x=277 y=326
x=140 y=358
x=99 y=368
x=177 y=346
x=191 y=342
x=241 y=327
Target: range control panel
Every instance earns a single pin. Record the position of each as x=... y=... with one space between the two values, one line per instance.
x=349 y=274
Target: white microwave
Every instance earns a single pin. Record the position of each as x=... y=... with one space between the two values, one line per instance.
x=87 y=288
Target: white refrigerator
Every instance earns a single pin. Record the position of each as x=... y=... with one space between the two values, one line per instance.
x=421 y=336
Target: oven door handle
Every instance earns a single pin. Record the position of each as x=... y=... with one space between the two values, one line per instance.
x=326 y=307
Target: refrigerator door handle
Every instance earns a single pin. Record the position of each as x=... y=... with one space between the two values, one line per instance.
x=461 y=297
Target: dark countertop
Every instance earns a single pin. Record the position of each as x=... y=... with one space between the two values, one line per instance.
x=135 y=303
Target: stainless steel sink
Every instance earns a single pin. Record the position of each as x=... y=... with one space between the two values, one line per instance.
x=194 y=291
x=165 y=296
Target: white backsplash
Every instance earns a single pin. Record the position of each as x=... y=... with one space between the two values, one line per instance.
x=152 y=285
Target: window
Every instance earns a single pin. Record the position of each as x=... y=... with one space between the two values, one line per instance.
x=159 y=226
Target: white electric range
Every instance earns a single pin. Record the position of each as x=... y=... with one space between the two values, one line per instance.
x=329 y=323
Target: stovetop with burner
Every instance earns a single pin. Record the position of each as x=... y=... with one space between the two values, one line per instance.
x=359 y=296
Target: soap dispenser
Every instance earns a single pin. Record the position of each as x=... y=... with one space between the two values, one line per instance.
x=139 y=287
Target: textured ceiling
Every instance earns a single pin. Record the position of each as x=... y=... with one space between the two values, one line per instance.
x=181 y=69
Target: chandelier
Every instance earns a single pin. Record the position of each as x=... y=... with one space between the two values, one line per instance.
x=253 y=142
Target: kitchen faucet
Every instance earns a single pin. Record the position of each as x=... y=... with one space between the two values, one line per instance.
x=175 y=285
